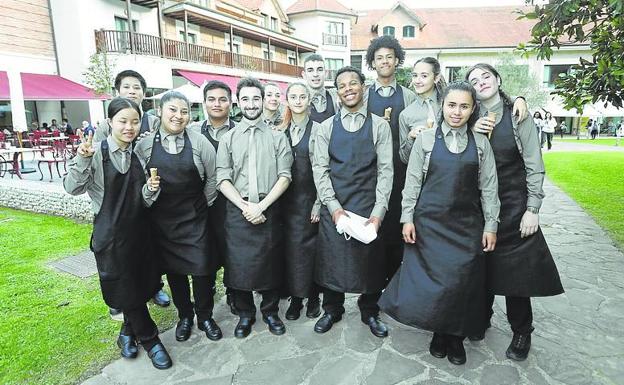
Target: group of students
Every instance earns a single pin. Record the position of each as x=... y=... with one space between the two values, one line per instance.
x=431 y=170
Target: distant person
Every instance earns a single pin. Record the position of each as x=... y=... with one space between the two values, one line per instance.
x=54 y=125
x=87 y=128
x=592 y=128
x=66 y=128
x=537 y=119
x=44 y=128
x=548 y=129
x=562 y=128
x=619 y=133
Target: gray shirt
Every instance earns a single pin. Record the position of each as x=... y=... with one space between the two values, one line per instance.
x=415 y=115
x=525 y=134
x=408 y=95
x=419 y=164
x=319 y=99
x=204 y=155
x=273 y=156
x=382 y=140
x=86 y=174
x=216 y=133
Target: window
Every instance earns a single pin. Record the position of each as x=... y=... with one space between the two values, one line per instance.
x=408 y=31
x=552 y=72
x=192 y=37
x=265 y=20
x=456 y=74
x=356 y=61
x=121 y=24
x=238 y=43
x=332 y=66
x=335 y=28
x=292 y=57
x=388 y=31
x=274 y=23
x=265 y=51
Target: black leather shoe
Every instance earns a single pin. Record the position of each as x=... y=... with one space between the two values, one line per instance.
x=213 y=331
x=437 y=347
x=276 y=326
x=183 y=329
x=519 y=348
x=455 y=351
x=377 y=326
x=294 y=310
x=326 y=322
x=243 y=328
x=229 y=299
x=161 y=298
x=480 y=336
x=159 y=356
x=313 y=307
x=128 y=346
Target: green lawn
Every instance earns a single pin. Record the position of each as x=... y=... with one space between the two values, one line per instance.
x=598 y=142
x=55 y=327
x=596 y=181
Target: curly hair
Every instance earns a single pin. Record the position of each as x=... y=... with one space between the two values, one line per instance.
x=384 y=42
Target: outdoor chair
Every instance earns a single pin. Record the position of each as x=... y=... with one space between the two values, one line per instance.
x=58 y=154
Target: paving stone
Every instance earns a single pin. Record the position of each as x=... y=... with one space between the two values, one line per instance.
x=81 y=265
x=225 y=380
x=288 y=371
x=402 y=368
x=344 y=370
x=500 y=375
x=358 y=336
x=267 y=347
x=408 y=341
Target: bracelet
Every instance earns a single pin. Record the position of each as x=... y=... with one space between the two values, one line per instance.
x=533 y=210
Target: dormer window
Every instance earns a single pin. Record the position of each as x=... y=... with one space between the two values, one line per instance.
x=408 y=31
x=388 y=30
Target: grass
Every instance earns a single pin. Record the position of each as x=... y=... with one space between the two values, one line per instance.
x=595 y=180
x=55 y=327
x=598 y=142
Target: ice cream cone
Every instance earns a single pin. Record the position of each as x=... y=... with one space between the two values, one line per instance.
x=491 y=115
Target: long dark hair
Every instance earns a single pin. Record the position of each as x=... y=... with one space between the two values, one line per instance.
x=435 y=65
x=461 y=86
x=486 y=67
x=118 y=104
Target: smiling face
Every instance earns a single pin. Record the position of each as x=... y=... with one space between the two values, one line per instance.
x=314 y=74
x=130 y=88
x=125 y=126
x=350 y=89
x=484 y=82
x=385 y=62
x=175 y=115
x=457 y=108
x=217 y=104
x=250 y=102
x=423 y=78
x=298 y=100
x=272 y=97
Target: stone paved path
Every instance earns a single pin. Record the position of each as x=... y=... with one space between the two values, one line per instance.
x=579 y=336
x=583 y=146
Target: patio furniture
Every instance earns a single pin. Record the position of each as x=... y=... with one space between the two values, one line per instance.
x=57 y=155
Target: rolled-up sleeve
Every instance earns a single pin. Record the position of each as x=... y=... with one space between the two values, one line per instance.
x=320 y=167
x=385 y=169
x=405 y=141
x=413 y=181
x=284 y=155
x=225 y=165
x=488 y=184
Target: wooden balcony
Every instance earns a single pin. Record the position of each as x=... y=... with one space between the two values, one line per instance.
x=142 y=44
x=331 y=39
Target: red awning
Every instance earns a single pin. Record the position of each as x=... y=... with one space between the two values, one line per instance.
x=198 y=78
x=54 y=87
x=4 y=86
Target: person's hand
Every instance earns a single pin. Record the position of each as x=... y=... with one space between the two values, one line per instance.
x=415 y=131
x=520 y=109
x=314 y=217
x=484 y=125
x=85 y=149
x=529 y=224
x=153 y=183
x=375 y=221
x=488 y=241
x=409 y=233
x=337 y=214
x=253 y=211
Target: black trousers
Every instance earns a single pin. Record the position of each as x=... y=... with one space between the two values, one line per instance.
x=394 y=257
x=333 y=303
x=138 y=322
x=519 y=313
x=247 y=308
x=549 y=138
x=203 y=294
x=313 y=295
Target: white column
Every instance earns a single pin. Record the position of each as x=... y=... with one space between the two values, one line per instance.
x=18 y=110
x=96 y=111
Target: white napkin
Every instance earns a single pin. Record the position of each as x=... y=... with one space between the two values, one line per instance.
x=353 y=226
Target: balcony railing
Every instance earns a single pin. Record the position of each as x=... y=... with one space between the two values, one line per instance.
x=331 y=39
x=142 y=44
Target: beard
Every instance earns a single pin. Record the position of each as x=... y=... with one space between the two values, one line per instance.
x=252 y=114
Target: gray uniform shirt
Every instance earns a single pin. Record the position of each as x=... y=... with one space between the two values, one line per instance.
x=273 y=157
x=86 y=174
x=216 y=133
x=419 y=164
x=204 y=156
x=528 y=144
x=415 y=115
x=382 y=140
x=408 y=95
x=319 y=99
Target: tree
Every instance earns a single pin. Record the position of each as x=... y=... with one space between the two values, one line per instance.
x=100 y=74
x=599 y=23
x=518 y=80
x=404 y=77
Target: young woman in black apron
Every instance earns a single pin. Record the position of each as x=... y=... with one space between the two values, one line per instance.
x=450 y=211
x=522 y=266
x=300 y=206
x=113 y=177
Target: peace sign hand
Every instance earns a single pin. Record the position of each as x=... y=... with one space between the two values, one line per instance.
x=85 y=149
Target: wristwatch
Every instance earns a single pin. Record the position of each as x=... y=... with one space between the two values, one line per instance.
x=533 y=210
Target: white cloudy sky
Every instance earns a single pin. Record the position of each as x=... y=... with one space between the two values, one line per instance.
x=380 y=4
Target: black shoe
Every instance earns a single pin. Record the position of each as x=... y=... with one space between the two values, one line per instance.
x=313 y=307
x=159 y=356
x=294 y=310
x=213 y=331
x=326 y=322
x=455 y=351
x=128 y=346
x=437 y=347
x=480 y=336
x=276 y=326
x=183 y=329
x=243 y=328
x=161 y=298
x=519 y=348
x=377 y=326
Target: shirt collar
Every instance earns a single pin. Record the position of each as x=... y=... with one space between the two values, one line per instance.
x=393 y=84
x=113 y=146
x=301 y=125
x=433 y=97
x=344 y=112
x=446 y=129
x=164 y=134
x=245 y=123
x=224 y=125
x=320 y=94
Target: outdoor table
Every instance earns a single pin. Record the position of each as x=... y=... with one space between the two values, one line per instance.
x=17 y=151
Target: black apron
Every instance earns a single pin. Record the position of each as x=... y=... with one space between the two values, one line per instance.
x=320 y=117
x=180 y=214
x=391 y=227
x=518 y=267
x=299 y=233
x=441 y=284
x=254 y=259
x=350 y=266
x=216 y=212
x=120 y=239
